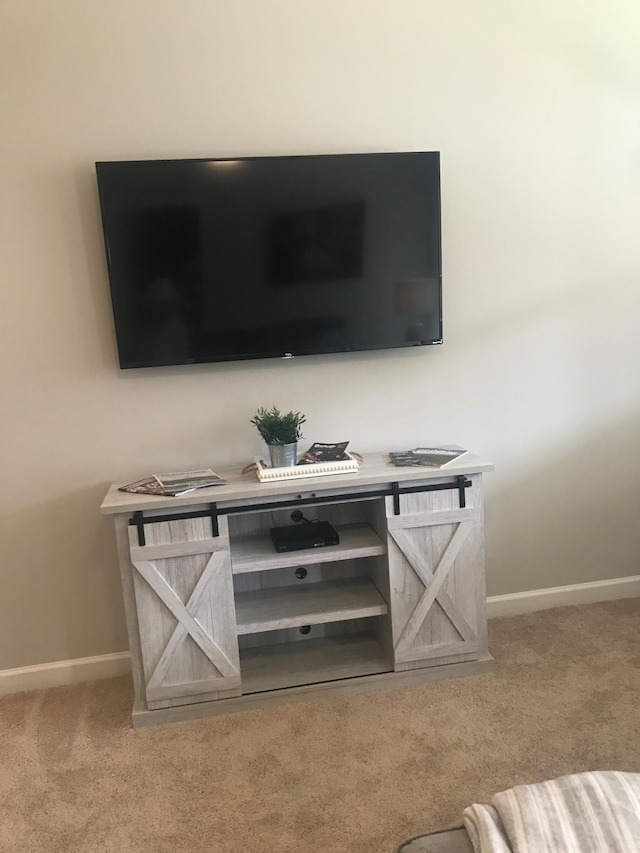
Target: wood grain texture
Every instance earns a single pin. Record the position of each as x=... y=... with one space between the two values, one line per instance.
x=441 y=651
x=436 y=567
x=257 y=553
x=173 y=549
x=413 y=582
x=131 y=614
x=313 y=573
x=288 y=636
x=433 y=581
x=288 y=607
x=184 y=604
x=429 y=519
x=182 y=690
x=374 y=471
x=316 y=661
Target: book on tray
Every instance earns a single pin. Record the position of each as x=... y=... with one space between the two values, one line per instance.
x=320 y=452
x=173 y=485
x=431 y=457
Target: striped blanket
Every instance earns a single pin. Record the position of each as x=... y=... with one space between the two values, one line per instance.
x=595 y=812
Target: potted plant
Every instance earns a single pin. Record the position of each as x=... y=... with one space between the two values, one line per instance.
x=280 y=432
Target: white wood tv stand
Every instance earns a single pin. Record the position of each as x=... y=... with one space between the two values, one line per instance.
x=218 y=621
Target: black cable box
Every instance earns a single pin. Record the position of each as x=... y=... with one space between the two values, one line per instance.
x=300 y=537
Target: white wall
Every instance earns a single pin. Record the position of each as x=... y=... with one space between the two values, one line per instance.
x=534 y=107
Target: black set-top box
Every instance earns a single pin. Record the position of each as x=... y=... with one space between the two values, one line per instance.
x=300 y=537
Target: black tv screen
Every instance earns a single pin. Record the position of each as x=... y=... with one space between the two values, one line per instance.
x=272 y=257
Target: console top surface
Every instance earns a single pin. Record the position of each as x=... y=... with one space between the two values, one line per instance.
x=375 y=471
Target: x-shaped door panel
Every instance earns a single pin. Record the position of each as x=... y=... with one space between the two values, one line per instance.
x=407 y=647
x=188 y=625
x=183 y=608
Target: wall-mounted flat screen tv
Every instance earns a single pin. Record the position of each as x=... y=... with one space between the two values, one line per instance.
x=272 y=257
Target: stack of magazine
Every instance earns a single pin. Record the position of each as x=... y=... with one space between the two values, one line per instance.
x=432 y=457
x=176 y=484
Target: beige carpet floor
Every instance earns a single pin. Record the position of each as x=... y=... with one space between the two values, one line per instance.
x=356 y=774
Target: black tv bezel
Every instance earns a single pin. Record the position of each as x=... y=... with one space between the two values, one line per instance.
x=259 y=356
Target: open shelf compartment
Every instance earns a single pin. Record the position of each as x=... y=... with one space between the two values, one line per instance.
x=275 y=667
x=255 y=552
x=293 y=606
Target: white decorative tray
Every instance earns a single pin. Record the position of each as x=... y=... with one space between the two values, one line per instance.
x=295 y=472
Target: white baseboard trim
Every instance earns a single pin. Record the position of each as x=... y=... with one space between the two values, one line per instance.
x=561 y=596
x=65 y=672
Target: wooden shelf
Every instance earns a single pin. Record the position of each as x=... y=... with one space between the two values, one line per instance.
x=257 y=554
x=307 y=604
x=311 y=662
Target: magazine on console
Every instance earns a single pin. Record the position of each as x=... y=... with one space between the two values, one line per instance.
x=323 y=452
x=431 y=457
x=174 y=484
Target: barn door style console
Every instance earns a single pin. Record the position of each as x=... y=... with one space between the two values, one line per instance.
x=219 y=621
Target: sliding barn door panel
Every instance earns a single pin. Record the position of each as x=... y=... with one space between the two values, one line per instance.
x=436 y=568
x=186 y=615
